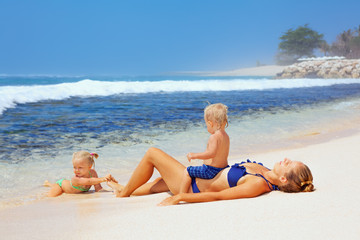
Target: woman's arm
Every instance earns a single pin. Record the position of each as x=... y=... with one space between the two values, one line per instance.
x=250 y=188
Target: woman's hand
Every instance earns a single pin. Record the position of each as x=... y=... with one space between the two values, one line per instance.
x=173 y=200
x=112 y=179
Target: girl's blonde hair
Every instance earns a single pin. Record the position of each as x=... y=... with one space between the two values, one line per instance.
x=218 y=113
x=300 y=180
x=86 y=156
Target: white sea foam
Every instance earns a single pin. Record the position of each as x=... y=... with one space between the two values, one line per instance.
x=10 y=96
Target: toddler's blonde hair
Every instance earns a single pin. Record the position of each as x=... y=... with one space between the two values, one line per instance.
x=217 y=112
x=86 y=156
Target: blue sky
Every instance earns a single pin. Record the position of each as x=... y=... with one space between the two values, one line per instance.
x=86 y=37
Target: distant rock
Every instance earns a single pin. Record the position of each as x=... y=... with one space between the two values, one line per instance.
x=322 y=68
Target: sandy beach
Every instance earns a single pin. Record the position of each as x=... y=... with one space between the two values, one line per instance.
x=331 y=212
x=267 y=70
x=116 y=79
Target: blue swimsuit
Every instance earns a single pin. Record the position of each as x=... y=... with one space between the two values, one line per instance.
x=204 y=171
x=235 y=173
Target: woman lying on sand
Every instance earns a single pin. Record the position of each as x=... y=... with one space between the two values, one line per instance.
x=244 y=180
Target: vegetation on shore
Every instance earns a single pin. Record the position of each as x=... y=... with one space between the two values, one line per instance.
x=302 y=42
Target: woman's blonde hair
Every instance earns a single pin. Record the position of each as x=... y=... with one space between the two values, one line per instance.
x=217 y=112
x=85 y=156
x=299 y=180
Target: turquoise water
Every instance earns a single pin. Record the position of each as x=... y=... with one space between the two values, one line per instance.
x=43 y=120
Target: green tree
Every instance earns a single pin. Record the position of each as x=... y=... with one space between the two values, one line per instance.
x=341 y=47
x=354 y=47
x=357 y=30
x=298 y=43
x=325 y=48
x=347 y=44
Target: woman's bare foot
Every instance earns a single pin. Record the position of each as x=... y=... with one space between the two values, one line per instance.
x=47 y=184
x=116 y=187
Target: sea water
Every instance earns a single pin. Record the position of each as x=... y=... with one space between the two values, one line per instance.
x=44 y=119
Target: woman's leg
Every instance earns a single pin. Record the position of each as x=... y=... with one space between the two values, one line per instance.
x=156 y=186
x=169 y=168
x=185 y=182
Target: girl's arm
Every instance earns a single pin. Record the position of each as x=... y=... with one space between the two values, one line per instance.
x=76 y=181
x=98 y=186
x=248 y=189
x=79 y=181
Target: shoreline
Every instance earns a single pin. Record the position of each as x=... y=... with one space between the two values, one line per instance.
x=260 y=71
x=323 y=146
x=321 y=132
x=333 y=205
x=252 y=132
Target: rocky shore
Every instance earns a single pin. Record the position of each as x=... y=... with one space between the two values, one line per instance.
x=342 y=68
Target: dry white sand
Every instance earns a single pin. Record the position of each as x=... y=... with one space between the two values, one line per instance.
x=270 y=70
x=266 y=71
x=331 y=212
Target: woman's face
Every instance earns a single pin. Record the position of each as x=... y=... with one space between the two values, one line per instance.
x=284 y=167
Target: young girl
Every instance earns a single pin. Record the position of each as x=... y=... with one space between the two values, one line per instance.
x=84 y=177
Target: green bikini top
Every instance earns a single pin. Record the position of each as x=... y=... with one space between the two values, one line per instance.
x=81 y=188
